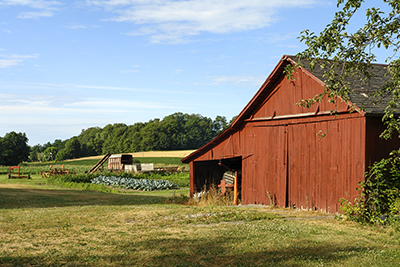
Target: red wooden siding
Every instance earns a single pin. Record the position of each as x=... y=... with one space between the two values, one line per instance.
x=297 y=167
x=265 y=168
x=284 y=96
x=228 y=148
x=324 y=170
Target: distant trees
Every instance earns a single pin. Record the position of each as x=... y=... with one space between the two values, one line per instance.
x=72 y=150
x=177 y=131
x=50 y=153
x=13 y=148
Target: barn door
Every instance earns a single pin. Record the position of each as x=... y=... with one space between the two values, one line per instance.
x=269 y=160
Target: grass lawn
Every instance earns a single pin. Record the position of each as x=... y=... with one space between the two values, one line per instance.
x=47 y=226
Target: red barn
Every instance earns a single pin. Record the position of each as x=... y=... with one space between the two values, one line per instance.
x=275 y=147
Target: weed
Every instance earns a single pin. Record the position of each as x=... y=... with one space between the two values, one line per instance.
x=212 y=197
x=271 y=200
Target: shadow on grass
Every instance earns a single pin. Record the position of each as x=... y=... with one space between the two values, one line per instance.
x=208 y=252
x=14 y=198
x=220 y=252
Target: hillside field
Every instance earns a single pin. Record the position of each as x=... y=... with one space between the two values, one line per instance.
x=150 y=154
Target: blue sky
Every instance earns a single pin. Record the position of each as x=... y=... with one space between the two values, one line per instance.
x=70 y=65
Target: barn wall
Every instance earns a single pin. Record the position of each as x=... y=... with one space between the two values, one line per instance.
x=378 y=148
x=323 y=170
x=228 y=148
x=264 y=170
x=298 y=168
x=285 y=94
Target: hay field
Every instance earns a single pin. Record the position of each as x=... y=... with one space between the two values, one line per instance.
x=151 y=154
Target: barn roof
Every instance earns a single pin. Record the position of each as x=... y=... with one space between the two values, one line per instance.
x=361 y=91
x=359 y=98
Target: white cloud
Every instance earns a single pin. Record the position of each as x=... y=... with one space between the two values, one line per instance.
x=7 y=61
x=240 y=79
x=176 y=71
x=75 y=26
x=45 y=7
x=129 y=71
x=38 y=4
x=34 y=15
x=81 y=109
x=174 y=21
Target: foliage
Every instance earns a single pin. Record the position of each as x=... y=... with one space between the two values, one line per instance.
x=13 y=149
x=344 y=54
x=395 y=214
x=135 y=184
x=380 y=193
x=73 y=149
x=353 y=211
x=50 y=154
x=74 y=178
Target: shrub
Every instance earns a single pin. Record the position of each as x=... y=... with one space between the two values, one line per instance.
x=75 y=178
x=379 y=192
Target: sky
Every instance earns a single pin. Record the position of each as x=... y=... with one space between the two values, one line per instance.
x=70 y=65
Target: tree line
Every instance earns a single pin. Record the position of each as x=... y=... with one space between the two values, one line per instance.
x=178 y=131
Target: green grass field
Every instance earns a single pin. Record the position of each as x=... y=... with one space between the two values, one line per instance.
x=43 y=225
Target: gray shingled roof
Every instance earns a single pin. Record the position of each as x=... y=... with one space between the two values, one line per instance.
x=361 y=96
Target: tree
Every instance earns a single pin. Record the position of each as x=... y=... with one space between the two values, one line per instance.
x=50 y=153
x=72 y=150
x=13 y=149
x=34 y=152
x=346 y=54
x=62 y=154
x=219 y=125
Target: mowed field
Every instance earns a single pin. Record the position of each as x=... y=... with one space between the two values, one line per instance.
x=42 y=225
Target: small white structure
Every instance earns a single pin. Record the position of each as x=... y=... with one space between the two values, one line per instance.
x=147 y=167
x=144 y=167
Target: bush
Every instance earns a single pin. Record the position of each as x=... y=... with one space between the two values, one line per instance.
x=74 y=178
x=379 y=193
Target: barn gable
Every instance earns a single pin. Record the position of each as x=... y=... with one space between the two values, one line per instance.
x=275 y=147
x=282 y=96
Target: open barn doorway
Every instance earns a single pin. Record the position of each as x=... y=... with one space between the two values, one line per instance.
x=209 y=173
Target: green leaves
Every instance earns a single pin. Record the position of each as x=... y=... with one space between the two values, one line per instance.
x=380 y=192
x=345 y=54
x=13 y=149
